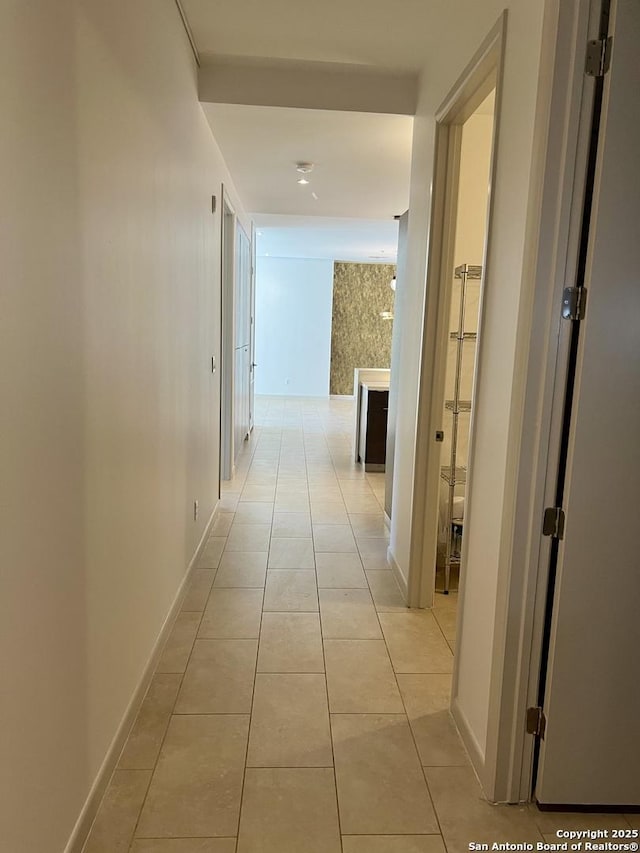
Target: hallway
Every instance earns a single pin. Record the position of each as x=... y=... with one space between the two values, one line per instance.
x=298 y=706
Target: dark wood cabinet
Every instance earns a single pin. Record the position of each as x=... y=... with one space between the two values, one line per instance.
x=373 y=427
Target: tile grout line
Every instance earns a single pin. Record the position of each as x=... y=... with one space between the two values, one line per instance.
x=253 y=694
x=326 y=687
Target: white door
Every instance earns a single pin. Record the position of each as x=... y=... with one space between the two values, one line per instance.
x=590 y=753
x=242 y=339
x=252 y=332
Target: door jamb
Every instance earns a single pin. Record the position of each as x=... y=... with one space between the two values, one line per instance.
x=227 y=335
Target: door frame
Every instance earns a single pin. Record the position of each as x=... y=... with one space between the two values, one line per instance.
x=481 y=75
x=228 y=219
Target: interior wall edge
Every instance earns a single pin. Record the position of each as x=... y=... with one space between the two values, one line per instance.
x=88 y=813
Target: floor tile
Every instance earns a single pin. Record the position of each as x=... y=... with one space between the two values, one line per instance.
x=254 y=512
x=289 y=811
x=291 y=553
x=348 y=614
x=258 y=493
x=222 y=523
x=290 y=642
x=145 y=739
x=184 y=845
x=198 y=591
x=232 y=614
x=426 y=699
x=369 y=525
x=360 y=678
x=242 y=569
x=178 y=647
x=334 y=512
x=118 y=813
x=197 y=785
x=290 y=589
x=249 y=537
x=293 y=732
x=292 y=503
x=211 y=553
x=464 y=814
x=340 y=571
x=219 y=678
x=291 y=525
x=228 y=501
x=633 y=820
x=385 y=591
x=373 y=546
x=381 y=787
x=416 y=643
x=334 y=538
x=445 y=610
x=392 y=844
x=366 y=503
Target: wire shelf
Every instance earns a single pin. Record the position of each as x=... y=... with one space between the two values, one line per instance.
x=467 y=336
x=459 y=475
x=463 y=406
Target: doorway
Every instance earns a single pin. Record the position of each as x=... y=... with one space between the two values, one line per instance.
x=237 y=343
x=456 y=275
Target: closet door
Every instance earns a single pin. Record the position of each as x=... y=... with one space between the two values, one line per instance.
x=590 y=753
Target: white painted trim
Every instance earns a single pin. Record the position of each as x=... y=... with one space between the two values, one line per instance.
x=89 y=811
x=470 y=743
x=397 y=573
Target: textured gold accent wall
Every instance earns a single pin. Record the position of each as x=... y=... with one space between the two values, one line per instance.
x=359 y=335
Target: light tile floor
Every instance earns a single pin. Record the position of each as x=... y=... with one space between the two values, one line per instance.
x=298 y=706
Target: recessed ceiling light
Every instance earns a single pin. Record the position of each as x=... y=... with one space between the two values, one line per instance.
x=315 y=196
x=303 y=181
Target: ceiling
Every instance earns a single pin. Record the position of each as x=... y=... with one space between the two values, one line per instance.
x=374 y=33
x=363 y=240
x=362 y=160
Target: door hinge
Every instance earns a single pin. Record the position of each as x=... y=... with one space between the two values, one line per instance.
x=553 y=523
x=536 y=722
x=574 y=303
x=598 y=59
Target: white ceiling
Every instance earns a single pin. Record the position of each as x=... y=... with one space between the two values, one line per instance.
x=364 y=240
x=367 y=32
x=362 y=160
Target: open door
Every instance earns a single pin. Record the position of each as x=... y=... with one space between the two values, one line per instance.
x=589 y=698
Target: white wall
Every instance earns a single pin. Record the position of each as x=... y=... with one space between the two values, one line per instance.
x=489 y=522
x=293 y=326
x=109 y=314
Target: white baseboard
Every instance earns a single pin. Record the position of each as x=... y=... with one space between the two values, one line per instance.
x=471 y=744
x=89 y=811
x=395 y=568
